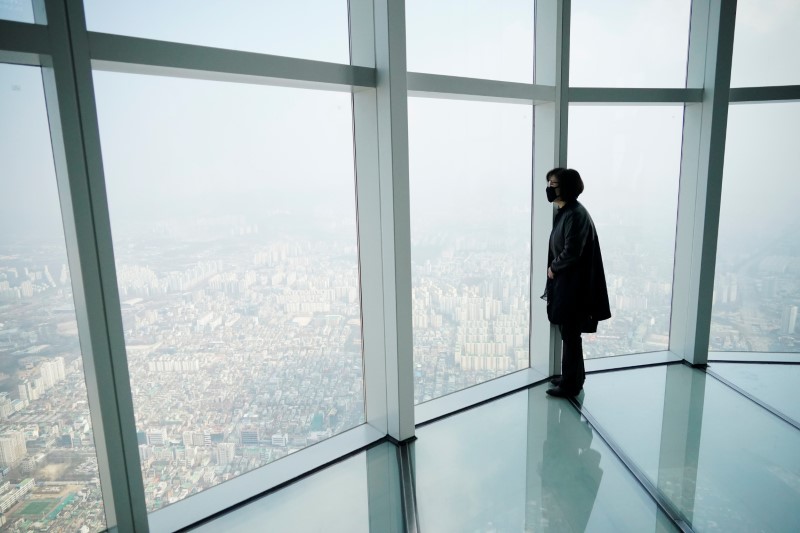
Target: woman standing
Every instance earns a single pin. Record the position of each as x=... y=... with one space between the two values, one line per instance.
x=576 y=293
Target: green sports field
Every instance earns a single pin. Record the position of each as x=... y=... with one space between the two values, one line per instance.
x=37 y=507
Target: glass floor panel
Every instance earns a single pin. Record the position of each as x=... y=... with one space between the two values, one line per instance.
x=528 y=462
x=525 y=463
x=359 y=494
x=775 y=385
x=726 y=463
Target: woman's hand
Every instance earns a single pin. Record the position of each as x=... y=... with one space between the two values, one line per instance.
x=550 y=273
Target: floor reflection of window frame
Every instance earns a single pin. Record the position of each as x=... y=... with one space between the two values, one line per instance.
x=682 y=422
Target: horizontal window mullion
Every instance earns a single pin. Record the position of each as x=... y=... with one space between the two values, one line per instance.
x=782 y=93
x=452 y=87
x=23 y=43
x=133 y=54
x=611 y=95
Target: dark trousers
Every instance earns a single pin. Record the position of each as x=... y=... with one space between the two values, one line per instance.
x=573 y=373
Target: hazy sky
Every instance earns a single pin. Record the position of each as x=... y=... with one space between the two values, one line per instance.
x=310 y=29
x=470 y=166
x=29 y=206
x=761 y=187
x=629 y=43
x=629 y=158
x=16 y=10
x=472 y=38
x=766 y=43
x=210 y=148
x=199 y=146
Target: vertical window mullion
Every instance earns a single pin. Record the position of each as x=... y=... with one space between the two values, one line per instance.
x=368 y=202
x=549 y=150
x=70 y=102
x=700 y=192
x=392 y=134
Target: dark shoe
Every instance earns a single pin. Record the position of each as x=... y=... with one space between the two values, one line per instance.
x=561 y=393
x=555 y=380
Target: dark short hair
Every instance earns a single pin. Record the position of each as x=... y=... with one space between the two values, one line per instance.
x=570 y=183
x=553 y=171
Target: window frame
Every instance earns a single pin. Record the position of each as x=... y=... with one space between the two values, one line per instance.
x=380 y=84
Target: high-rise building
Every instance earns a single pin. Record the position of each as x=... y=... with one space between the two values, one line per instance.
x=29 y=390
x=52 y=372
x=249 y=436
x=224 y=453
x=280 y=439
x=12 y=448
x=157 y=437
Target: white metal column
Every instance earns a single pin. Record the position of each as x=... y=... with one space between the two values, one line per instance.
x=381 y=139
x=702 y=159
x=368 y=200
x=549 y=151
x=79 y=169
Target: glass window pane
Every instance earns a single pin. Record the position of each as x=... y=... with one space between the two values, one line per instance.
x=765 y=44
x=234 y=224
x=629 y=158
x=471 y=38
x=48 y=465
x=629 y=43
x=470 y=186
x=16 y=10
x=757 y=281
x=307 y=29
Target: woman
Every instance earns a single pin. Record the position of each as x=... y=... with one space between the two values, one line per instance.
x=576 y=293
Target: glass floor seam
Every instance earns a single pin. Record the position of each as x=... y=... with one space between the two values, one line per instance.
x=674 y=451
x=658 y=497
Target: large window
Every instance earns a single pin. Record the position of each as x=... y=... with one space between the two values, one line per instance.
x=756 y=289
x=225 y=211
x=48 y=465
x=757 y=282
x=629 y=158
x=309 y=29
x=16 y=10
x=629 y=43
x=766 y=43
x=470 y=184
x=234 y=224
x=471 y=38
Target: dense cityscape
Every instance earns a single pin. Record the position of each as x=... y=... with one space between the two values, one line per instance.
x=47 y=459
x=242 y=350
x=757 y=293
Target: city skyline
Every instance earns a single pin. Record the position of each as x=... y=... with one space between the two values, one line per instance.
x=234 y=223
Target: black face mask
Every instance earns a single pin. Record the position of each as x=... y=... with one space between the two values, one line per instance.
x=551 y=194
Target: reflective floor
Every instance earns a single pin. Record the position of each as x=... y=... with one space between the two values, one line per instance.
x=723 y=461
x=527 y=462
x=777 y=385
x=358 y=494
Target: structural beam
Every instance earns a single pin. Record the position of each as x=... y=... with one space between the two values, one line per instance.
x=458 y=88
x=395 y=218
x=148 y=56
x=549 y=151
x=750 y=95
x=79 y=170
x=633 y=96
x=23 y=44
x=702 y=159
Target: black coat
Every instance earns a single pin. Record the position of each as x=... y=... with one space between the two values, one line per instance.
x=578 y=292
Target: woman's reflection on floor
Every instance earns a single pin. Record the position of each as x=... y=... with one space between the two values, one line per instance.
x=570 y=470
